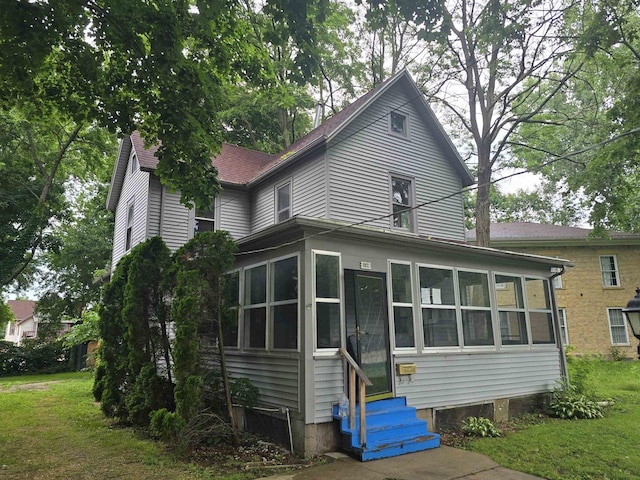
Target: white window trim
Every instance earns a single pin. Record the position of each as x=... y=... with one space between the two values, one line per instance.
x=540 y=310
x=131 y=204
x=244 y=345
x=391 y=304
x=133 y=163
x=238 y=308
x=407 y=131
x=455 y=308
x=326 y=352
x=617 y=271
x=499 y=309
x=413 y=218
x=491 y=309
x=288 y=182
x=193 y=217
x=624 y=325
x=562 y=319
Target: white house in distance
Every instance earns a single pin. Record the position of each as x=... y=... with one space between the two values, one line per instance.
x=26 y=322
x=353 y=238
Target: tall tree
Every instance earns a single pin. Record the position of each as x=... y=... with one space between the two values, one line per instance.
x=488 y=59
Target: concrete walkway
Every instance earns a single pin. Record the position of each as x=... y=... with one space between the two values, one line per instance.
x=443 y=463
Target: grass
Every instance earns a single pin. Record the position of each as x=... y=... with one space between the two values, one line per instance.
x=600 y=449
x=55 y=430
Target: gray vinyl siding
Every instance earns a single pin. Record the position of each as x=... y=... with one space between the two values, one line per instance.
x=135 y=188
x=451 y=380
x=234 y=212
x=276 y=377
x=174 y=226
x=155 y=206
x=364 y=154
x=308 y=189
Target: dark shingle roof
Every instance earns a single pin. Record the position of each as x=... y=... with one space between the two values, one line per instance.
x=529 y=231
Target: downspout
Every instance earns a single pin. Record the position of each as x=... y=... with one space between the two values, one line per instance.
x=556 y=325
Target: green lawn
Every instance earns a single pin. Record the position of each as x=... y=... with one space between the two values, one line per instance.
x=606 y=448
x=54 y=430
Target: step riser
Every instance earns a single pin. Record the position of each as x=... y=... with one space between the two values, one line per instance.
x=399 y=433
x=399 y=449
x=380 y=419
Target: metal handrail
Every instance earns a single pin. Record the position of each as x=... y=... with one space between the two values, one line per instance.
x=363 y=380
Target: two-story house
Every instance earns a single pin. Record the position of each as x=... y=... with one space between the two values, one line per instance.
x=592 y=294
x=25 y=325
x=353 y=238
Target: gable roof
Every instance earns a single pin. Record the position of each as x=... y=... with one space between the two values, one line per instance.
x=530 y=233
x=22 y=309
x=244 y=167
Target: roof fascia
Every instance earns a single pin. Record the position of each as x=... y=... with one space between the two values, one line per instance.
x=564 y=242
x=119 y=171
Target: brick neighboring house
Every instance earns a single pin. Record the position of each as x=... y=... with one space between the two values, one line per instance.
x=591 y=294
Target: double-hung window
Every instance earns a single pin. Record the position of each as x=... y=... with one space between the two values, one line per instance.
x=284 y=303
x=562 y=320
x=204 y=220
x=477 y=328
x=232 y=299
x=438 y=304
x=511 y=310
x=327 y=299
x=255 y=307
x=402 y=203
x=609 y=269
x=539 y=309
x=283 y=201
x=617 y=327
x=402 y=304
x=129 y=233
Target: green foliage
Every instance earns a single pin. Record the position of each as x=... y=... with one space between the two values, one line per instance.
x=568 y=403
x=33 y=357
x=580 y=370
x=150 y=392
x=87 y=330
x=616 y=353
x=6 y=315
x=479 y=427
x=166 y=425
x=243 y=392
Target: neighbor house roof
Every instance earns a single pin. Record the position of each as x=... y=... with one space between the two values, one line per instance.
x=242 y=166
x=530 y=233
x=22 y=309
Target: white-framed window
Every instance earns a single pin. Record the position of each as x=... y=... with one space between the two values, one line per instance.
x=564 y=330
x=399 y=123
x=402 y=203
x=438 y=305
x=475 y=306
x=327 y=300
x=134 y=162
x=255 y=307
x=284 y=303
x=283 y=201
x=402 y=304
x=129 y=232
x=617 y=327
x=539 y=310
x=204 y=220
x=232 y=300
x=12 y=328
x=511 y=310
x=609 y=269
x=557 y=282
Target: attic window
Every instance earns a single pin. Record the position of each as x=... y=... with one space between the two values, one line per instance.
x=129 y=233
x=134 y=162
x=398 y=124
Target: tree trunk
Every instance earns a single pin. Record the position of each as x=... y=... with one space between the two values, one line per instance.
x=483 y=220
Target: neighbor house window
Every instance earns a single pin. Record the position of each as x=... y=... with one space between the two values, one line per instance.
x=283 y=202
x=204 y=220
x=557 y=282
x=232 y=299
x=398 y=124
x=617 y=327
x=562 y=320
x=539 y=308
x=284 y=303
x=402 y=304
x=327 y=299
x=402 y=203
x=255 y=307
x=12 y=328
x=477 y=329
x=609 y=269
x=129 y=232
x=438 y=305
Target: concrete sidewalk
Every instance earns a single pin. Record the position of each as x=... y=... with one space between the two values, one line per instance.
x=443 y=463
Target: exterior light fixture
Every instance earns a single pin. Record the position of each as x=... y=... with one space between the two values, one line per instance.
x=632 y=312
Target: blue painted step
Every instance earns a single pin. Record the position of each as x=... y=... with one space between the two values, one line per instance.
x=392 y=429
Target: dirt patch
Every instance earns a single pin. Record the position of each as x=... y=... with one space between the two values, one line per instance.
x=40 y=386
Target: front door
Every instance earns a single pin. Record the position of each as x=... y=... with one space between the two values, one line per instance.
x=368 y=328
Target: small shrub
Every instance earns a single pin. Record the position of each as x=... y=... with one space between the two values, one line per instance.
x=616 y=353
x=479 y=427
x=568 y=403
x=165 y=425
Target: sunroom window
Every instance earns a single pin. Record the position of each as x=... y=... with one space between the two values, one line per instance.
x=284 y=303
x=539 y=308
x=255 y=307
x=477 y=328
x=232 y=299
x=511 y=311
x=402 y=304
x=327 y=300
x=438 y=304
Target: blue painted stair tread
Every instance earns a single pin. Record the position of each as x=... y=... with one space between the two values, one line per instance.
x=392 y=429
